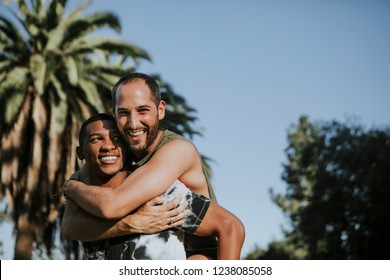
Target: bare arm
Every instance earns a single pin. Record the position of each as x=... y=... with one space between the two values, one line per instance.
x=77 y=224
x=229 y=230
x=173 y=160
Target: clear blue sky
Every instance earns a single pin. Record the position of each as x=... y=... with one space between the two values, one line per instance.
x=251 y=68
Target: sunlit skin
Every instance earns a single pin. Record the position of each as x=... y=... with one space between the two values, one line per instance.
x=138 y=116
x=102 y=151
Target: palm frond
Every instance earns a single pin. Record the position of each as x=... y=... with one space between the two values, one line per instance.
x=54 y=14
x=92 y=94
x=78 y=29
x=39 y=72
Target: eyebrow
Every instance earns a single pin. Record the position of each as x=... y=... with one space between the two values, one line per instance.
x=138 y=107
x=144 y=106
x=94 y=134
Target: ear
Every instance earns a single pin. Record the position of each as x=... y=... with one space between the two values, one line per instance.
x=161 y=110
x=79 y=153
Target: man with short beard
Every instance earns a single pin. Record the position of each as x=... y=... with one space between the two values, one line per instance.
x=159 y=158
x=102 y=149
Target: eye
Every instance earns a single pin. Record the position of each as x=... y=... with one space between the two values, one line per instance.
x=123 y=113
x=143 y=109
x=95 y=139
x=116 y=138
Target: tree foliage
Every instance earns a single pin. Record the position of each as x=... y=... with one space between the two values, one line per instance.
x=338 y=188
x=55 y=71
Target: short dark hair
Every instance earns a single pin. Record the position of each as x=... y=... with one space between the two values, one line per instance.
x=149 y=81
x=93 y=118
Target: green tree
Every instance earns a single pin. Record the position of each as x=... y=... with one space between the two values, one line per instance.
x=338 y=188
x=55 y=71
x=291 y=248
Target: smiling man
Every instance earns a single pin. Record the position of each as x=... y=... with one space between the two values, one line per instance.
x=102 y=148
x=158 y=159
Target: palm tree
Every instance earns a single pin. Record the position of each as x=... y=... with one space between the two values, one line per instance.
x=54 y=73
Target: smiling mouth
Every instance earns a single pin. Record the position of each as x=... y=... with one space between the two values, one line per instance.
x=136 y=134
x=108 y=158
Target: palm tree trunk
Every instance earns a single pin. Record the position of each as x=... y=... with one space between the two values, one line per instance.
x=24 y=239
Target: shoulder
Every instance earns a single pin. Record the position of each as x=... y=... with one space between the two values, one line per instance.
x=169 y=135
x=174 y=141
x=175 y=152
x=178 y=146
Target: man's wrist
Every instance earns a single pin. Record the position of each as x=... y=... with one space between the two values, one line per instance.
x=126 y=225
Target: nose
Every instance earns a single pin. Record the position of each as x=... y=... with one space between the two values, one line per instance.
x=108 y=145
x=132 y=121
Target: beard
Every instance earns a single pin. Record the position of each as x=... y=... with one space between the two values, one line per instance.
x=141 y=149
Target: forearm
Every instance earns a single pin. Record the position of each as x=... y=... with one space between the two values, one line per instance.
x=152 y=217
x=93 y=199
x=78 y=224
x=112 y=203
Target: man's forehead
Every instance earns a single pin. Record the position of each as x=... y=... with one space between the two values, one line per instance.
x=135 y=86
x=135 y=81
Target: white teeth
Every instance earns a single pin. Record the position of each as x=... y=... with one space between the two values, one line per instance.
x=108 y=158
x=136 y=133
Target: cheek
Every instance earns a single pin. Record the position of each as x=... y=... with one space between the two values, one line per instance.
x=121 y=122
x=150 y=119
x=146 y=119
x=91 y=156
x=123 y=158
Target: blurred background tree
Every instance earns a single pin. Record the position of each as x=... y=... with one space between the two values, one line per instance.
x=56 y=69
x=338 y=188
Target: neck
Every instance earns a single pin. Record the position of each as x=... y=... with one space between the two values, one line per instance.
x=115 y=180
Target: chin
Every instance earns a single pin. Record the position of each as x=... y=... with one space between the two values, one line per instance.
x=110 y=172
x=138 y=148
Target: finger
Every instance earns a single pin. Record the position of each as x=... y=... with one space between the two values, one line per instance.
x=156 y=201
x=184 y=204
x=173 y=204
x=177 y=220
x=177 y=211
x=172 y=221
x=169 y=221
x=175 y=224
x=182 y=215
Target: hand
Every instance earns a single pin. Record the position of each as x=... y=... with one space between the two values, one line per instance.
x=154 y=216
